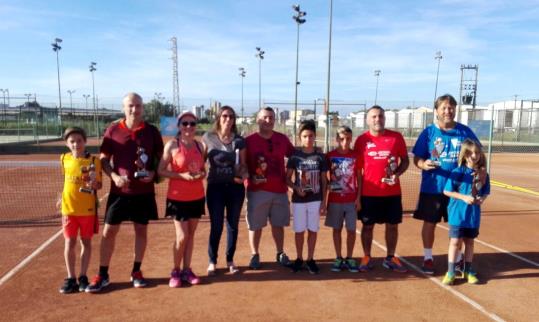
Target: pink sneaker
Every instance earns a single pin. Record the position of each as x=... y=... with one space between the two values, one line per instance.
x=175 y=280
x=190 y=277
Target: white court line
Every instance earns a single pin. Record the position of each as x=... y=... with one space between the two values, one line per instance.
x=27 y=260
x=36 y=252
x=458 y=294
x=501 y=250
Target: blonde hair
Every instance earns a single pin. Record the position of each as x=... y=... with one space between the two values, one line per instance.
x=343 y=129
x=466 y=149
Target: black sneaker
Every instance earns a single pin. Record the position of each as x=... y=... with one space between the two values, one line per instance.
x=254 y=263
x=70 y=286
x=83 y=283
x=283 y=259
x=312 y=267
x=298 y=265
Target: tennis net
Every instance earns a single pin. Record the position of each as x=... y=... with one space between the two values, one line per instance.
x=30 y=189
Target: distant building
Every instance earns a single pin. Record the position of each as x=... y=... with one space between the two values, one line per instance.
x=198 y=110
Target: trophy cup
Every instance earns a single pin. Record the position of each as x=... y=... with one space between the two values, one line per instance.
x=239 y=170
x=88 y=178
x=439 y=146
x=477 y=185
x=335 y=178
x=260 y=171
x=304 y=181
x=194 y=170
x=142 y=160
x=390 y=169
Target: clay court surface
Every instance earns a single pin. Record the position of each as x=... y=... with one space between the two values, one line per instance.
x=507 y=260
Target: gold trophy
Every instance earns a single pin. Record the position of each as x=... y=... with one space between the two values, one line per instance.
x=88 y=178
x=142 y=160
x=436 y=153
x=390 y=169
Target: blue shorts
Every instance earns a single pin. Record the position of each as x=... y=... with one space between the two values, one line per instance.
x=380 y=210
x=460 y=232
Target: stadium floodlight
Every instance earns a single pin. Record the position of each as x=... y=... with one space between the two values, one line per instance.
x=242 y=75
x=260 y=55
x=299 y=21
x=70 y=92
x=377 y=75
x=92 y=69
x=86 y=96
x=56 y=48
x=328 y=87
x=439 y=58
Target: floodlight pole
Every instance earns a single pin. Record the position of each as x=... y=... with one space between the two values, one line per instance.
x=56 y=48
x=298 y=17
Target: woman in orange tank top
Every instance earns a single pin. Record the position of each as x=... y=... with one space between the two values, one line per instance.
x=183 y=164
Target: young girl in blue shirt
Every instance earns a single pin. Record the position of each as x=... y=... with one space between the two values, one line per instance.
x=466 y=192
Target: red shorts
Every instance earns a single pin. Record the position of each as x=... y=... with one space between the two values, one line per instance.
x=71 y=225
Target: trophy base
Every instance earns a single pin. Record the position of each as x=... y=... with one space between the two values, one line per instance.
x=86 y=190
x=141 y=174
x=307 y=189
x=335 y=188
x=388 y=181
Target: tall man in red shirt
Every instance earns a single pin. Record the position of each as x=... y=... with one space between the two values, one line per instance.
x=129 y=153
x=267 y=197
x=383 y=158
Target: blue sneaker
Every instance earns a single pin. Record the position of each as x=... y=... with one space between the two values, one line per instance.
x=337 y=264
x=351 y=264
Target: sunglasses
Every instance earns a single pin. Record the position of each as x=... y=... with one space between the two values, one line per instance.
x=192 y=124
x=270 y=146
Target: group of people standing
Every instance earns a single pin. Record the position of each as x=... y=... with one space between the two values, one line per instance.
x=345 y=184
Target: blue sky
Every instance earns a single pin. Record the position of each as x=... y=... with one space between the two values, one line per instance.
x=129 y=42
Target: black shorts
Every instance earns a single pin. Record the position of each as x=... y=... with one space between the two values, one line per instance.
x=185 y=210
x=380 y=210
x=136 y=208
x=432 y=207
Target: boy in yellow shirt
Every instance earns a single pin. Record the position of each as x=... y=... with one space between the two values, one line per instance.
x=82 y=178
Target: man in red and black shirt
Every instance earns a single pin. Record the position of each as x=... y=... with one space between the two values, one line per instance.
x=382 y=158
x=131 y=148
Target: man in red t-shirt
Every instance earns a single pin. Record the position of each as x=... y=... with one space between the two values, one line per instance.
x=267 y=196
x=130 y=150
x=382 y=159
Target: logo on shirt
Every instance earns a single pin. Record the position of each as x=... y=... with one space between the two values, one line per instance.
x=455 y=142
x=371 y=145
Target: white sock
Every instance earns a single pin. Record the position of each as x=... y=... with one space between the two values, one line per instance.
x=428 y=253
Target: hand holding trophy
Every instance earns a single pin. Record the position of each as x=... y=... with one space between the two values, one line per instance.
x=305 y=181
x=477 y=185
x=88 y=178
x=142 y=160
x=390 y=169
x=240 y=171
x=436 y=153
